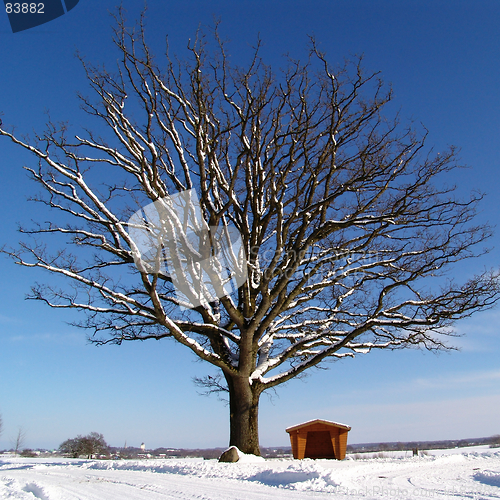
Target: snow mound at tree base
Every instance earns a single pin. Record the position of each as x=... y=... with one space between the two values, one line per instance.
x=244 y=458
x=234 y=454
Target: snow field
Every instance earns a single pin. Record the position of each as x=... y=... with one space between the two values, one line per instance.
x=449 y=474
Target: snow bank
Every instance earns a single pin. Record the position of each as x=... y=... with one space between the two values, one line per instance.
x=299 y=475
x=474 y=474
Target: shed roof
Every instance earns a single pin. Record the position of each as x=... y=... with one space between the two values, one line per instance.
x=317 y=421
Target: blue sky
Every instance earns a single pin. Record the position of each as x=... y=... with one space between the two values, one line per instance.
x=443 y=61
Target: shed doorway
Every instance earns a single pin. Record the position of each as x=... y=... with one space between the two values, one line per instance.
x=319 y=445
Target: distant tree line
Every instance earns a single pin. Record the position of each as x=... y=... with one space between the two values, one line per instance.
x=131 y=452
x=89 y=446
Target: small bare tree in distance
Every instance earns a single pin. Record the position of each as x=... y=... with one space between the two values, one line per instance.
x=19 y=440
x=345 y=217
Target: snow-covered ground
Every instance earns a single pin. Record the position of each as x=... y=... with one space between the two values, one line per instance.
x=472 y=473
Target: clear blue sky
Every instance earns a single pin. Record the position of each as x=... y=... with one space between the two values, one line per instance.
x=443 y=60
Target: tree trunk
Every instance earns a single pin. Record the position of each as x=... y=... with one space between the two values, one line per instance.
x=244 y=415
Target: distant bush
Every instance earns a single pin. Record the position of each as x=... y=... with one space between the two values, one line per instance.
x=28 y=453
x=368 y=456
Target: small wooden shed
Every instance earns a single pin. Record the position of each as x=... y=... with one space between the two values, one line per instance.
x=319 y=439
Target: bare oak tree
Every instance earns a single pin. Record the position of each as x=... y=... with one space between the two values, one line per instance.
x=345 y=217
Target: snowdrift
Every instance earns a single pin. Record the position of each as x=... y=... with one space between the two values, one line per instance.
x=448 y=474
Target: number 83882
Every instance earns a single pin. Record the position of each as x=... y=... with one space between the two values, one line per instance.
x=24 y=8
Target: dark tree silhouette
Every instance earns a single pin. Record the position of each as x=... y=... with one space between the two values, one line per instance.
x=71 y=447
x=91 y=445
